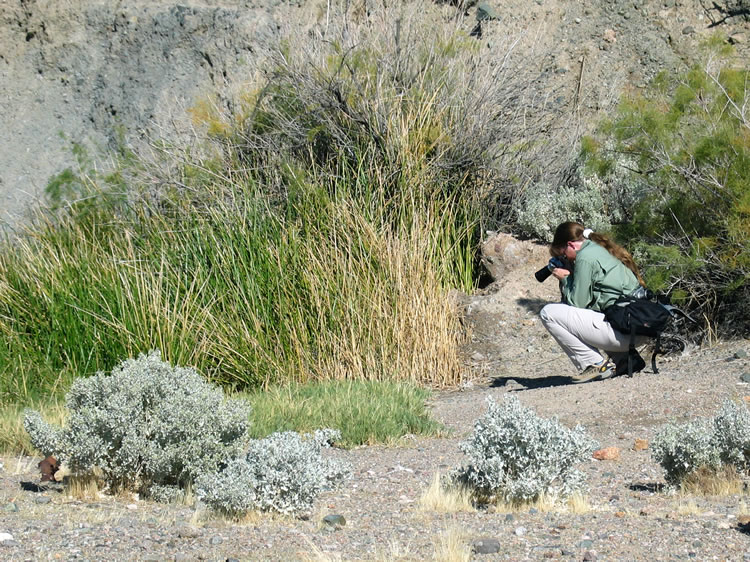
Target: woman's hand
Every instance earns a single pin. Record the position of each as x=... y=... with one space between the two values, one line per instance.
x=560 y=273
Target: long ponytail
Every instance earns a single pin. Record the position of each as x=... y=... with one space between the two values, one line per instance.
x=573 y=231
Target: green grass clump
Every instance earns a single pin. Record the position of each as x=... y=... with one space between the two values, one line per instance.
x=14 y=440
x=364 y=412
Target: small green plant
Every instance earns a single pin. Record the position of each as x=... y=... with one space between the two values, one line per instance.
x=148 y=427
x=518 y=457
x=364 y=412
x=706 y=446
x=284 y=473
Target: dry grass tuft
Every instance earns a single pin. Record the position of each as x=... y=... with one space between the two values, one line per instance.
x=444 y=499
x=451 y=546
x=710 y=482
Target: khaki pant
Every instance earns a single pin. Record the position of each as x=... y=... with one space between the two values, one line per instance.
x=584 y=333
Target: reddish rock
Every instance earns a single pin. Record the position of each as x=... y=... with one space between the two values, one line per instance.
x=640 y=445
x=607 y=454
x=48 y=467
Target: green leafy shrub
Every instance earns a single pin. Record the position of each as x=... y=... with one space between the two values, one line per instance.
x=518 y=457
x=686 y=137
x=148 y=427
x=704 y=444
x=284 y=473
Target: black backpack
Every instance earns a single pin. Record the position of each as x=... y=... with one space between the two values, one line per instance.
x=638 y=315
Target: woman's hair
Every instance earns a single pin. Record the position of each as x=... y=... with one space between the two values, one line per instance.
x=573 y=231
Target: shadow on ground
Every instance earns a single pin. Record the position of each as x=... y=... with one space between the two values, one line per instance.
x=533 y=305
x=528 y=383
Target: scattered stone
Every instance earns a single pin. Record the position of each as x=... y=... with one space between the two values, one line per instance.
x=640 y=445
x=743 y=519
x=589 y=556
x=745 y=377
x=5 y=537
x=520 y=531
x=486 y=546
x=10 y=507
x=609 y=36
x=509 y=517
x=333 y=521
x=607 y=454
x=688 y=30
x=185 y=531
x=619 y=514
x=740 y=354
x=216 y=540
x=585 y=543
x=42 y=500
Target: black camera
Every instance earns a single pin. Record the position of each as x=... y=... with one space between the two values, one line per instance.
x=546 y=271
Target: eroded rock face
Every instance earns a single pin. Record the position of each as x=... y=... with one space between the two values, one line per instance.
x=102 y=73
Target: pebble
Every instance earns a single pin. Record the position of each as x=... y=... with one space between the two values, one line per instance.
x=42 y=500
x=520 y=531
x=216 y=540
x=4 y=537
x=486 y=546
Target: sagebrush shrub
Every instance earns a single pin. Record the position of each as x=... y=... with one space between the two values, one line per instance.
x=705 y=443
x=681 y=449
x=148 y=426
x=517 y=456
x=284 y=472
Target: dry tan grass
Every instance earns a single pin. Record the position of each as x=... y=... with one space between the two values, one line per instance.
x=445 y=500
x=709 y=482
x=451 y=546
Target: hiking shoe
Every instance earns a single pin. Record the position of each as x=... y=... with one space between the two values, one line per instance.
x=604 y=370
x=622 y=365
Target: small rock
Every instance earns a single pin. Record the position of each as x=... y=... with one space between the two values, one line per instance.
x=485 y=12
x=486 y=546
x=334 y=521
x=688 y=30
x=216 y=540
x=187 y=531
x=42 y=500
x=5 y=537
x=640 y=445
x=607 y=454
x=509 y=517
x=589 y=556
x=619 y=514
x=10 y=507
x=743 y=519
x=585 y=543
x=476 y=356
x=609 y=36
x=740 y=354
x=520 y=531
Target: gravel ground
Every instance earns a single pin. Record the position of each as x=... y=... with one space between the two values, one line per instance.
x=629 y=514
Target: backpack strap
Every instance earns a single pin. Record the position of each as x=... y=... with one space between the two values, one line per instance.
x=657 y=349
x=631 y=350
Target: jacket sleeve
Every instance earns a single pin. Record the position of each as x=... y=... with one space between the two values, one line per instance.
x=578 y=290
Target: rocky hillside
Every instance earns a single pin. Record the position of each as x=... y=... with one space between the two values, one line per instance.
x=101 y=73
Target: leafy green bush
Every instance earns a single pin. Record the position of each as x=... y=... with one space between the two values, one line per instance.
x=704 y=444
x=687 y=136
x=518 y=457
x=149 y=427
x=284 y=472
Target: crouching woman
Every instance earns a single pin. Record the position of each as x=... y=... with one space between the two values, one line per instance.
x=600 y=272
